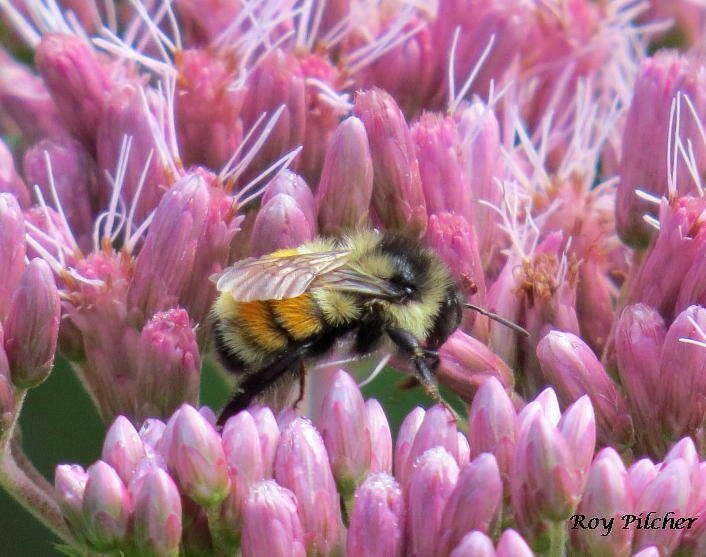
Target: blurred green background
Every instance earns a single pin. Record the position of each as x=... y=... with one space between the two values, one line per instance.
x=59 y=424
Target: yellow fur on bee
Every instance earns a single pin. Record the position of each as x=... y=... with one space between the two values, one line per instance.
x=256 y=323
x=297 y=316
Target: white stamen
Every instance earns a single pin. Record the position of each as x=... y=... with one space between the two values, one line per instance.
x=50 y=222
x=23 y=27
x=376 y=371
x=54 y=193
x=117 y=184
x=233 y=174
x=279 y=165
x=652 y=221
x=328 y=94
x=456 y=98
x=647 y=196
x=136 y=198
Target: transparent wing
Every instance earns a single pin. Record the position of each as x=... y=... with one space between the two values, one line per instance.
x=347 y=279
x=275 y=278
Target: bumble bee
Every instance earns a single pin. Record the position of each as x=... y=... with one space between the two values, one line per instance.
x=275 y=312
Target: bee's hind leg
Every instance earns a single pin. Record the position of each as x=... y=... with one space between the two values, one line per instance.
x=302 y=384
x=258 y=382
x=423 y=372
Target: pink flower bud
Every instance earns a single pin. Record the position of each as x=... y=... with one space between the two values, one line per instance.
x=294 y=186
x=639 y=335
x=128 y=112
x=276 y=80
x=346 y=184
x=69 y=487
x=12 y=249
x=667 y=493
x=106 y=508
x=302 y=465
x=570 y=365
x=480 y=156
x=474 y=544
x=54 y=236
x=640 y=475
x=25 y=99
x=682 y=380
x=438 y=429
x=212 y=252
x=157 y=515
x=508 y=21
x=208 y=415
x=511 y=544
x=404 y=442
x=686 y=450
x=407 y=69
x=398 y=198
x=241 y=444
x=474 y=504
x=272 y=527
x=73 y=177
x=10 y=181
x=578 y=426
x=377 y=520
x=77 y=81
x=466 y=363
x=169 y=250
x=343 y=426
x=545 y=482
x=644 y=163
x=549 y=404
x=453 y=237
x=431 y=482
x=607 y=494
x=151 y=433
x=492 y=423
x=504 y=298
x=464 y=450
x=168 y=364
x=670 y=258
x=122 y=448
x=280 y=224
x=195 y=457
x=436 y=142
x=268 y=431
x=203 y=22
x=32 y=325
x=207 y=108
x=650 y=551
x=380 y=437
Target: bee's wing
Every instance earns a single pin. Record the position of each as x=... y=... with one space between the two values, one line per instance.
x=277 y=277
x=347 y=279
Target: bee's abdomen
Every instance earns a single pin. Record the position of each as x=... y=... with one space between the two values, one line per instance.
x=299 y=318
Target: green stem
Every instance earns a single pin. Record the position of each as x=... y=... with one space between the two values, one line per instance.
x=557 y=535
x=32 y=495
x=28 y=468
x=221 y=546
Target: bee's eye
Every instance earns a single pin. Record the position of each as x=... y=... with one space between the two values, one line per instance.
x=408 y=290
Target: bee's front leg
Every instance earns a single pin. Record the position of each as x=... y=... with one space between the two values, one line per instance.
x=409 y=344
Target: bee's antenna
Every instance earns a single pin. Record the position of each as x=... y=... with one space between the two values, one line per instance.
x=496 y=317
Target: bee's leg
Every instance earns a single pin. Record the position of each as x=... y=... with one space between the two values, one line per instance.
x=302 y=384
x=424 y=373
x=257 y=382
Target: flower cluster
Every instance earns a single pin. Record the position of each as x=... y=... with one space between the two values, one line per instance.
x=280 y=485
x=551 y=160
